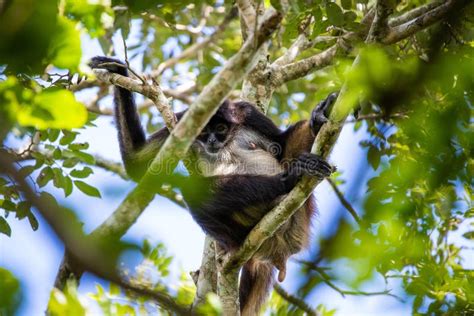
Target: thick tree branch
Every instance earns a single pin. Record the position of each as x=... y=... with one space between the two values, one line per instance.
x=414 y=13
x=248 y=15
x=383 y=9
x=411 y=27
x=207 y=274
x=273 y=220
x=303 y=67
x=85 y=250
x=182 y=136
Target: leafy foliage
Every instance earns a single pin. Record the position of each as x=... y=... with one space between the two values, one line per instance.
x=415 y=110
x=11 y=292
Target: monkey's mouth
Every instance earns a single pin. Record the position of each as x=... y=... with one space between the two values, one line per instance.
x=213 y=149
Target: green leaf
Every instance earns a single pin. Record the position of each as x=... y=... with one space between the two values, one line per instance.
x=33 y=221
x=66 y=302
x=346 y=4
x=11 y=292
x=23 y=209
x=70 y=162
x=57 y=153
x=335 y=15
x=26 y=171
x=87 y=189
x=65 y=49
x=84 y=173
x=469 y=235
x=373 y=157
x=53 y=108
x=5 y=228
x=78 y=146
x=68 y=138
x=85 y=157
x=319 y=24
x=67 y=186
x=53 y=134
x=44 y=177
x=26 y=30
x=7 y=205
x=58 y=178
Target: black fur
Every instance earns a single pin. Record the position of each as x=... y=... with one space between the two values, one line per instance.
x=228 y=205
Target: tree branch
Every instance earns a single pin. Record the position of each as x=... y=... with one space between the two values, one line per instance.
x=303 y=67
x=383 y=9
x=273 y=220
x=298 y=302
x=411 y=27
x=153 y=92
x=193 y=49
x=248 y=15
x=207 y=274
x=184 y=133
x=414 y=13
x=327 y=279
x=344 y=202
x=85 y=250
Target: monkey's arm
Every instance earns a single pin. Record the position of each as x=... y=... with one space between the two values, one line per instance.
x=136 y=150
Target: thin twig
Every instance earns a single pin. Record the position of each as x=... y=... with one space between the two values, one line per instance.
x=326 y=278
x=344 y=202
x=125 y=49
x=296 y=301
x=376 y=116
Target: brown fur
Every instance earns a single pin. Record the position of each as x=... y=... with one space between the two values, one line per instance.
x=255 y=282
x=290 y=238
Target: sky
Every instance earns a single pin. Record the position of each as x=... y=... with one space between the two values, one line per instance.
x=34 y=257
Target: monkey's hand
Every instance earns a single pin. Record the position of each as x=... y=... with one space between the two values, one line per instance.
x=306 y=164
x=111 y=64
x=320 y=113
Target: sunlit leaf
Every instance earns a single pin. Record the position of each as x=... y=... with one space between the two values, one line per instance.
x=87 y=189
x=11 y=292
x=53 y=108
x=5 y=228
x=65 y=51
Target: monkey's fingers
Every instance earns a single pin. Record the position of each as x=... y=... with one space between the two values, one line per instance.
x=108 y=63
x=314 y=165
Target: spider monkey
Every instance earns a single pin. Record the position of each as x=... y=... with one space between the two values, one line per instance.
x=249 y=166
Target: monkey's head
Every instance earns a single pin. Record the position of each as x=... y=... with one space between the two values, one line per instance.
x=215 y=135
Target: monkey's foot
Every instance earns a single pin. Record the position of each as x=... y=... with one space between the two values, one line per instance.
x=320 y=114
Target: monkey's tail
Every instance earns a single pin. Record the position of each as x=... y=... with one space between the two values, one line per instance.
x=255 y=283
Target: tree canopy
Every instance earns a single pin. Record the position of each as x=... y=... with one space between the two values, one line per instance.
x=405 y=72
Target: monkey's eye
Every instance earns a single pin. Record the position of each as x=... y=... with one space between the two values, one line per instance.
x=221 y=128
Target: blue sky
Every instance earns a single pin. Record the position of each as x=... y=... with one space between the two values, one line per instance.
x=34 y=257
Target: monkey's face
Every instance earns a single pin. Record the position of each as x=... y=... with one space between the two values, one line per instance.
x=214 y=136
